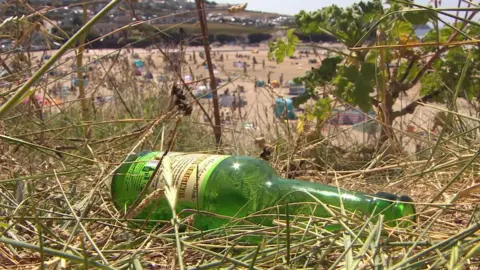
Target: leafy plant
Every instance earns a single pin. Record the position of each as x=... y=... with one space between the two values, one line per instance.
x=282 y=48
x=373 y=77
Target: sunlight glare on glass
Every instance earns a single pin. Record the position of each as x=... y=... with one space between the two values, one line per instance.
x=236 y=165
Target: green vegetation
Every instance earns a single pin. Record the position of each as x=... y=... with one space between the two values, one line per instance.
x=373 y=75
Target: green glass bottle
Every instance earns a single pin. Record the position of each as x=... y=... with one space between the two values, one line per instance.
x=237 y=186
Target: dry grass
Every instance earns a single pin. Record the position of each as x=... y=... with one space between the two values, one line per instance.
x=56 y=209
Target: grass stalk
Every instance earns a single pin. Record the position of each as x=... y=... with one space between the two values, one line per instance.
x=53 y=252
x=24 y=90
x=99 y=252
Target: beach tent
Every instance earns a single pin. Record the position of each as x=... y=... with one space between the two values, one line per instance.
x=138 y=63
x=284 y=109
x=260 y=83
x=296 y=90
x=350 y=116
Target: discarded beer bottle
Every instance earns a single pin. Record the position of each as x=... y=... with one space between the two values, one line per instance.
x=238 y=186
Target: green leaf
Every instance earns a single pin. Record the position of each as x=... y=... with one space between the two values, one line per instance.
x=344 y=88
x=400 y=28
x=290 y=50
x=282 y=48
x=431 y=82
x=320 y=76
x=361 y=93
x=438 y=64
x=301 y=99
x=356 y=84
x=322 y=108
x=328 y=69
x=280 y=51
x=347 y=24
x=367 y=71
x=444 y=34
x=471 y=92
x=417 y=16
x=372 y=56
x=350 y=72
x=473 y=30
x=290 y=34
x=411 y=74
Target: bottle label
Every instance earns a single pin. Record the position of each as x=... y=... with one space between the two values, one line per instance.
x=190 y=172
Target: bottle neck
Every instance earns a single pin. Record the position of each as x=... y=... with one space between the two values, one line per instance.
x=392 y=207
x=329 y=195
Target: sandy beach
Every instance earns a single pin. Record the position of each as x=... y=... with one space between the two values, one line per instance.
x=252 y=120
